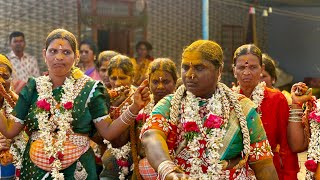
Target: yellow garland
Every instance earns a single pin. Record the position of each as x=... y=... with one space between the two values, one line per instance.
x=76 y=73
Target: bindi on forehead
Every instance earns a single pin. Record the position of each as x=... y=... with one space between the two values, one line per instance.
x=247 y=61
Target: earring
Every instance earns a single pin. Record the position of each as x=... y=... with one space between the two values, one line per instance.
x=235 y=76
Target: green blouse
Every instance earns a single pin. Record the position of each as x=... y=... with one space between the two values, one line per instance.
x=90 y=106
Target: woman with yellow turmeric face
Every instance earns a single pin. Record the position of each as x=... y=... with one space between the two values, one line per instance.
x=162 y=73
x=120 y=72
x=200 y=130
x=6 y=165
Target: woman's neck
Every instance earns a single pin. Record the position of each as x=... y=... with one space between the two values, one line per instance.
x=88 y=65
x=247 y=91
x=57 y=81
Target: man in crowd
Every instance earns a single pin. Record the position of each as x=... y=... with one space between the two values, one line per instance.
x=24 y=65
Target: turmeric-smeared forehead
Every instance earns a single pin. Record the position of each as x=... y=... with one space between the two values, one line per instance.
x=117 y=72
x=207 y=50
x=59 y=43
x=165 y=65
x=158 y=74
x=4 y=60
x=192 y=57
x=63 y=34
x=123 y=62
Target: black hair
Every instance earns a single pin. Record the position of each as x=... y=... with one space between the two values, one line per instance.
x=15 y=34
x=92 y=45
x=247 y=49
x=146 y=43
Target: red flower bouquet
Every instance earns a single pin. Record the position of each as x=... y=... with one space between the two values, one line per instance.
x=68 y=105
x=122 y=163
x=43 y=104
x=311 y=165
x=191 y=128
x=141 y=119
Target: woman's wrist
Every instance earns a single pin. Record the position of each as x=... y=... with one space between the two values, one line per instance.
x=295 y=115
x=296 y=105
x=134 y=109
x=127 y=117
x=166 y=167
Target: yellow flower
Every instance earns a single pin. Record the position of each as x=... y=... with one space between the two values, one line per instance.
x=77 y=73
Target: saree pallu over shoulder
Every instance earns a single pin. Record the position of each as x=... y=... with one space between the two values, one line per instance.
x=232 y=144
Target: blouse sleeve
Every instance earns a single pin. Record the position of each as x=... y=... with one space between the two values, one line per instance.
x=160 y=120
x=22 y=107
x=99 y=102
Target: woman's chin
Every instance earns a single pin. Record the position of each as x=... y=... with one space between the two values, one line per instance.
x=59 y=73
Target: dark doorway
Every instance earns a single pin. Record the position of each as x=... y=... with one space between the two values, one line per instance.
x=116 y=40
x=103 y=40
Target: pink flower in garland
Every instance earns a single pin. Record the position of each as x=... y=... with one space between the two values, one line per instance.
x=68 y=105
x=314 y=116
x=213 y=121
x=43 y=104
x=311 y=165
x=191 y=127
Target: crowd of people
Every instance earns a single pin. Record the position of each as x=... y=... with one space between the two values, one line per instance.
x=108 y=116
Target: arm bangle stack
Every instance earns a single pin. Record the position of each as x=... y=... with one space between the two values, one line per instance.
x=295 y=115
x=127 y=117
x=165 y=168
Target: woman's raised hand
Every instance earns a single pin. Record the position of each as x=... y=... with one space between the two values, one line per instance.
x=4 y=143
x=141 y=97
x=300 y=93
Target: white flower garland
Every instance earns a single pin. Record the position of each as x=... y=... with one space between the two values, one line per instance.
x=214 y=138
x=120 y=154
x=61 y=120
x=148 y=108
x=314 y=144
x=19 y=142
x=228 y=99
x=257 y=95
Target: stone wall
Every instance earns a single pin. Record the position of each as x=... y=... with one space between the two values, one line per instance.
x=35 y=18
x=173 y=24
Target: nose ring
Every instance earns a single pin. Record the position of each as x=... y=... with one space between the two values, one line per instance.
x=192 y=76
